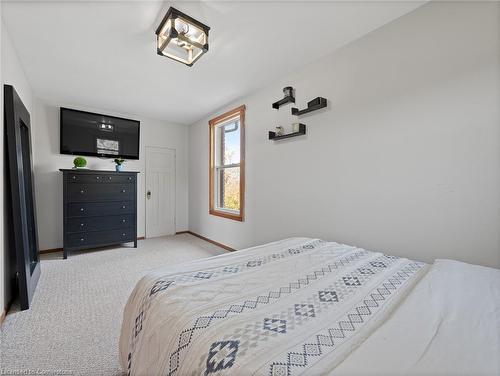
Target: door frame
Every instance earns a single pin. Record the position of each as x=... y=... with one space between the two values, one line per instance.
x=146 y=185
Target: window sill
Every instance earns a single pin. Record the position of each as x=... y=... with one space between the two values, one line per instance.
x=228 y=215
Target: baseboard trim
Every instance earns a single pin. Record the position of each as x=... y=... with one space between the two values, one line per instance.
x=53 y=250
x=227 y=248
x=44 y=251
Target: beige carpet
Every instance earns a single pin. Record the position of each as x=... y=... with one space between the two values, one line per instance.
x=74 y=323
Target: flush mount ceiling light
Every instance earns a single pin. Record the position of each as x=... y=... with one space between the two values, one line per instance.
x=181 y=37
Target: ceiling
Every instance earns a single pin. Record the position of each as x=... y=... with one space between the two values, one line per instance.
x=103 y=54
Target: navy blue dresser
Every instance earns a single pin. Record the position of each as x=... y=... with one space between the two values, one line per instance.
x=100 y=208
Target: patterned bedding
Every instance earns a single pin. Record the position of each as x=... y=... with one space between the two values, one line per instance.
x=298 y=306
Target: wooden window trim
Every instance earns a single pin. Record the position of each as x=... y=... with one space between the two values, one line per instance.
x=211 y=159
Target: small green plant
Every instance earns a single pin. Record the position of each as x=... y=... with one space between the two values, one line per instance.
x=119 y=161
x=80 y=162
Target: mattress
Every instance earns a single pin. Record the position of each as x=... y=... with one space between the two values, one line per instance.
x=448 y=325
x=307 y=306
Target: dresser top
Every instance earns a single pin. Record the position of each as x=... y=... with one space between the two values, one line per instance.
x=89 y=171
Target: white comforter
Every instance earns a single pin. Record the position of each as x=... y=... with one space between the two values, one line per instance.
x=448 y=325
x=304 y=306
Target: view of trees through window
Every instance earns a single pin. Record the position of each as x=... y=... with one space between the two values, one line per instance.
x=228 y=136
x=227 y=162
x=230 y=188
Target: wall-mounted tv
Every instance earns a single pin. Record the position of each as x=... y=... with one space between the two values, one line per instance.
x=87 y=133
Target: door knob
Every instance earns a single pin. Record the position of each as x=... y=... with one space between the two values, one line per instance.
x=148 y=194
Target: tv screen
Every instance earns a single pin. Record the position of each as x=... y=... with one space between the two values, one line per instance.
x=86 y=133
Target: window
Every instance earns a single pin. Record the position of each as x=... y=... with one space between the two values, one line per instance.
x=227 y=164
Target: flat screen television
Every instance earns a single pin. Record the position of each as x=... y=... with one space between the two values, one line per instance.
x=87 y=133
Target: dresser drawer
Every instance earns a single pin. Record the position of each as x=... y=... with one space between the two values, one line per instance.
x=100 y=238
x=100 y=178
x=100 y=208
x=80 y=192
x=112 y=222
x=86 y=209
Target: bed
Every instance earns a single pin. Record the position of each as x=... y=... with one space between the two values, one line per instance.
x=307 y=306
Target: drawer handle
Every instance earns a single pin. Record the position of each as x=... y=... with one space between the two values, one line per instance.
x=82 y=239
x=123 y=190
x=82 y=209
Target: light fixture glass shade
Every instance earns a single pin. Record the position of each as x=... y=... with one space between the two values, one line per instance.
x=181 y=37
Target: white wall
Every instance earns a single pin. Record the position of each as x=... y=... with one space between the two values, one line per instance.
x=12 y=74
x=12 y=71
x=405 y=159
x=48 y=161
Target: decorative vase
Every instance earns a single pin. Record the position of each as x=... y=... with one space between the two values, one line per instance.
x=119 y=167
x=288 y=91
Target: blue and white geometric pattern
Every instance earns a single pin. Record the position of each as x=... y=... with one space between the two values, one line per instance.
x=221 y=356
x=231 y=269
x=328 y=340
x=203 y=275
x=351 y=281
x=241 y=267
x=251 y=337
x=328 y=296
x=251 y=334
x=304 y=310
x=160 y=286
x=129 y=363
x=366 y=271
x=273 y=295
x=138 y=323
x=391 y=257
x=202 y=322
x=319 y=291
x=254 y=263
x=276 y=325
x=297 y=359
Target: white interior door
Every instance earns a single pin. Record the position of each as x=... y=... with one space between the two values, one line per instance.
x=160 y=191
